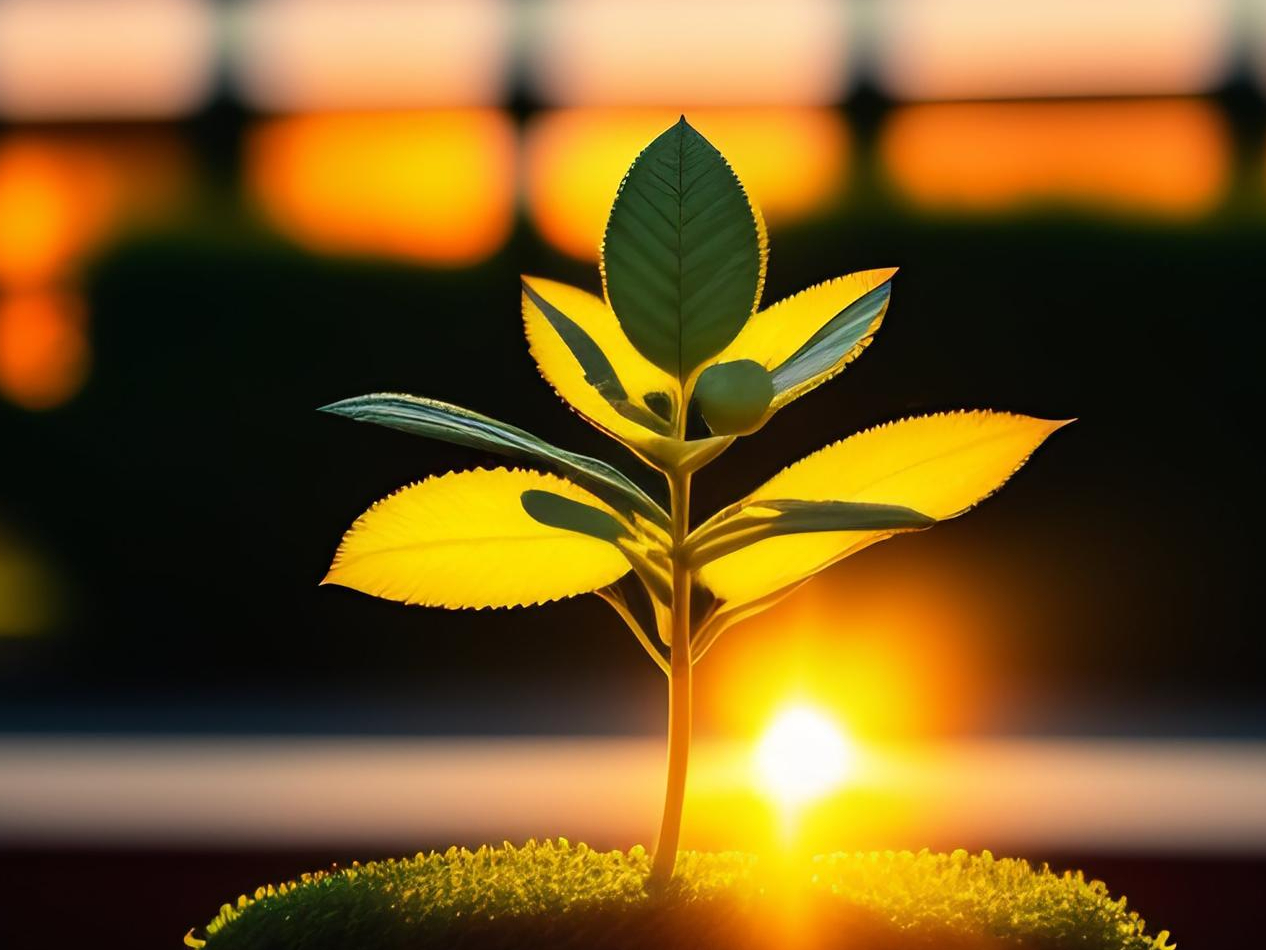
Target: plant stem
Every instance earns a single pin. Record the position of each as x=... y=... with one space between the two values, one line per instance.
x=678 y=684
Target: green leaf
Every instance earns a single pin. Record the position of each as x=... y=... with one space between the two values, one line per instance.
x=760 y=520
x=558 y=512
x=733 y=397
x=829 y=345
x=648 y=561
x=599 y=373
x=683 y=253
x=448 y=423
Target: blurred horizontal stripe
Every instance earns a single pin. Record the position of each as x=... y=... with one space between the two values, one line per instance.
x=665 y=52
x=1009 y=795
x=88 y=59
x=995 y=49
x=293 y=55
x=93 y=59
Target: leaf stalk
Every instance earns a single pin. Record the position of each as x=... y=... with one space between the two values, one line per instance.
x=616 y=599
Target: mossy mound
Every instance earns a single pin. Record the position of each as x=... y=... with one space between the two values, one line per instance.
x=558 y=895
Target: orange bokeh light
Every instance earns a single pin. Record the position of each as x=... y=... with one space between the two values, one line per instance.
x=435 y=187
x=54 y=203
x=44 y=352
x=792 y=161
x=61 y=197
x=1168 y=158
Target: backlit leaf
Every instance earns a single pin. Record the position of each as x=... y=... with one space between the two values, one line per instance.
x=770 y=519
x=807 y=338
x=835 y=341
x=440 y=420
x=558 y=511
x=683 y=255
x=465 y=540
x=938 y=465
x=645 y=385
x=597 y=369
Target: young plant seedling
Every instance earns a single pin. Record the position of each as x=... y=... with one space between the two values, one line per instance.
x=675 y=363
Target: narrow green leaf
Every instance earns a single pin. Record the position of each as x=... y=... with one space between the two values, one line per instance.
x=733 y=397
x=683 y=255
x=449 y=423
x=834 y=340
x=599 y=373
x=648 y=558
x=769 y=519
x=559 y=512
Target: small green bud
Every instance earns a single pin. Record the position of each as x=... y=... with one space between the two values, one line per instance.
x=733 y=397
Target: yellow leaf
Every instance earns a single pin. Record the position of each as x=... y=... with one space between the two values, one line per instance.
x=637 y=375
x=939 y=465
x=778 y=331
x=464 y=540
x=563 y=371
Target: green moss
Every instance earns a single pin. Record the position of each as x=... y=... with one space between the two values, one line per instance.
x=558 y=895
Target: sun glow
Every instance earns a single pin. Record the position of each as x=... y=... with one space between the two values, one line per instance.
x=803 y=755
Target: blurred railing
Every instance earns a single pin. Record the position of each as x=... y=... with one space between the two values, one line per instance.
x=170 y=58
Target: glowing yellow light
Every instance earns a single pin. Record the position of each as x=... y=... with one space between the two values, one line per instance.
x=802 y=756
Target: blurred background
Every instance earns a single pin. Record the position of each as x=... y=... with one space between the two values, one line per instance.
x=215 y=217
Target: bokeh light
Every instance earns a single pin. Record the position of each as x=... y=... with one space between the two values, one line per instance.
x=44 y=351
x=371 y=54
x=995 y=49
x=618 y=53
x=435 y=187
x=794 y=162
x=32 y=594
x=86 y=59
x=1167 y=158
x=56 y=200
x=62 y=197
